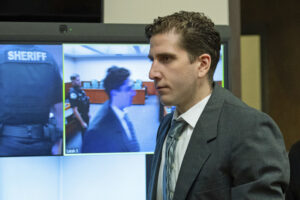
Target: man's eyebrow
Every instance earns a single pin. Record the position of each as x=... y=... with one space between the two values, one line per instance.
x=166 y=54
x=162 y=54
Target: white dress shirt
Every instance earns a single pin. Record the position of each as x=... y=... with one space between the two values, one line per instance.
x=191 y=117
x=121 y=114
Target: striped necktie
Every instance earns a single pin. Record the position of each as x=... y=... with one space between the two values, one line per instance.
x=133 y=143
x=171 y=142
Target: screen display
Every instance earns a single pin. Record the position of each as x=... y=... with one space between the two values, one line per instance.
x=219 y=75
x=31 y=115
x=132 y=95
x=94 y=120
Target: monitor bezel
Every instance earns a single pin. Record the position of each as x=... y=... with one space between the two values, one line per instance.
x=80 y=32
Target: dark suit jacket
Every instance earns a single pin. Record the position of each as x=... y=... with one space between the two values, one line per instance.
x=293 y=192
x=106 y=134
x=235 y=152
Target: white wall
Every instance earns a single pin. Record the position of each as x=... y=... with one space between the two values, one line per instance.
x=144 y=11
x=69 y=69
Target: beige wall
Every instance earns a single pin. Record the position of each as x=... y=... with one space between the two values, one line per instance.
x=144 y=11
x=251 y=71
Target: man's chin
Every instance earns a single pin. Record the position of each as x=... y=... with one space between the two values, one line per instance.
x=166 y=102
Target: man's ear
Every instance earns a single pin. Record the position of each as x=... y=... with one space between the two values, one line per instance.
x=204 y=61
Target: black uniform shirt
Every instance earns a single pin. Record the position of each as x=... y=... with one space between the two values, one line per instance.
x=79 y=99
x=30 y=83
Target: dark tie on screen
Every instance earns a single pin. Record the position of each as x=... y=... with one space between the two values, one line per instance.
x=134 y=145
x=172 y=139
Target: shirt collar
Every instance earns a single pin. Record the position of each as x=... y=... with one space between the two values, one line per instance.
x=192 y=115
x=118 y=112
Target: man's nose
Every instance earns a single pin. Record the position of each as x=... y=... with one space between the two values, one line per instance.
x=154 y=71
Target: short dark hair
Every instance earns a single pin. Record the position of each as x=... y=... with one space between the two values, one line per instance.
x=74 y=76
x=198 y=35
x=115 y=78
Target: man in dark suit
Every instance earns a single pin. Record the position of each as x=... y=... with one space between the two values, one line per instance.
x=111 y=130
x=293 y=192
x=220 y=148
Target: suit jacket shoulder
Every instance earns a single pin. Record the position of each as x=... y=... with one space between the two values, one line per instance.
x=235 y=152
x=105 y=134
x=241 y=144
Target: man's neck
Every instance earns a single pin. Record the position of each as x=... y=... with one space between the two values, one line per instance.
x=204 y=91
x=114 y=104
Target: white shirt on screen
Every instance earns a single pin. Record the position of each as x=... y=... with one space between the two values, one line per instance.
x=191 y=117
x=120 y=114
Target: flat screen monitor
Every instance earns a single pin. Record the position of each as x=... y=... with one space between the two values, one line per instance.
x=77 y=174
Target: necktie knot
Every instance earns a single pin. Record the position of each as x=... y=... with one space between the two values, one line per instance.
x=176 y=129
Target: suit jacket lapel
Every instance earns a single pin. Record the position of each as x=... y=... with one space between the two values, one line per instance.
x=120 y=136
x=198 y=150
x=162 y=131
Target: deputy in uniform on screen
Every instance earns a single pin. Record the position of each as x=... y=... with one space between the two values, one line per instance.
x=80 y=103
x=30 y=85
x=111 y=130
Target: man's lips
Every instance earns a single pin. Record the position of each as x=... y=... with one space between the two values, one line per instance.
x=161 y=88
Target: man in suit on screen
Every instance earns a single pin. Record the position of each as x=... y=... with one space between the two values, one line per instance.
x=213 y=146
x=112 y=130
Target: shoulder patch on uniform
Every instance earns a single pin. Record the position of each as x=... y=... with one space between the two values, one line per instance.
x=73 y=95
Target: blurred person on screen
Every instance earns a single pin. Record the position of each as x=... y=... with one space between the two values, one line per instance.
x=213 y=146
x=112 y=130
x=31 y=86
x=293 y=192
x=80 y=103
